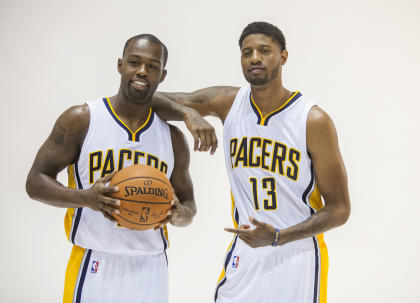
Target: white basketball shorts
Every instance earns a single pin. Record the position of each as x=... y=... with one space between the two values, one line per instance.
x=272 y=275
x=94 y=276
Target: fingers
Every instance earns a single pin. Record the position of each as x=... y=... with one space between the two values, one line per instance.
x=257 y=223
x=107 y=178
x=109 y=189
x=245 y=226
x=236 y=230
x=110 y=201
x=213 y=142
x=196 y=139
x=205 y=140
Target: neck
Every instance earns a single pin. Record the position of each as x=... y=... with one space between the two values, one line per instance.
x=270 y=96
x=133 y=114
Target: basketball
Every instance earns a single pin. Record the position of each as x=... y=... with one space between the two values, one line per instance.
x=145 y=194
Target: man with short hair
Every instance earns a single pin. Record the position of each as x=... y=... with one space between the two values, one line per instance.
x=282 y=155
x=109 y=263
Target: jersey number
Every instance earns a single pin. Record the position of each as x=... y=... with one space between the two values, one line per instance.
x=270 y=185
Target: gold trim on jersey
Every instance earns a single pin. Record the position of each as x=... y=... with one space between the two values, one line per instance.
x=68 y=219
x=262 y=117
x=315 y=200
x=235 y=223
x=165 y=233
x=133 y=134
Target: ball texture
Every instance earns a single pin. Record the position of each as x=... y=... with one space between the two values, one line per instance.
x=145 y=194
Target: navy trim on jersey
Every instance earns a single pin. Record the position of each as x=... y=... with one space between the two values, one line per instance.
x=165 y=245
x=116 y=119
x=218 y=286
x=131 y=136
x=83 y=276
x=255 y=109
x=288 y=103
x=308 y=189
x=236 y=216
x=137 y=136
x=79 y=210
x=316 y=271
x=293 y=100
x=76 y=172
x=227 y=261
x=166 y=256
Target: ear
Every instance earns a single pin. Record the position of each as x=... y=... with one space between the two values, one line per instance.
x=164 y=72
x=119 y=65
x=284 y=56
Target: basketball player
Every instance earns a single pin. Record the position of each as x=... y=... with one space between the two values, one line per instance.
x=109 y=263
x=282 y=155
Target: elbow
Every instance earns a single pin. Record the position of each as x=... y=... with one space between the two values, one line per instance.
x=343 y=214
x=30 y=186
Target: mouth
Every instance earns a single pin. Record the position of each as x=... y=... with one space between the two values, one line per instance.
x=254 y=70
x=139 y=84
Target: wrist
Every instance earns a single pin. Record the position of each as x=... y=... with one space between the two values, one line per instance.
x=276 y=237
x=80 y=198
x=185 y=111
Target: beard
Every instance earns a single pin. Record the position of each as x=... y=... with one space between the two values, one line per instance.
x=257 y=81
x=263 y=80
x=137 y=96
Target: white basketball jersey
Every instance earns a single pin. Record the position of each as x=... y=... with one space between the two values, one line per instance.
x=270 y=171
x=110 y=145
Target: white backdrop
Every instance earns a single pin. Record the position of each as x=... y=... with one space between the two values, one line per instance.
x=359 y=60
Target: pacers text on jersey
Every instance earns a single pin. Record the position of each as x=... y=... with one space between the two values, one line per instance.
x=266 y=154
x=108 y=163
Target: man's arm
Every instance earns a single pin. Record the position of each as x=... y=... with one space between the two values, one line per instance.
x=211 y=101
x=183 y=207
x=331 y=176
x=61 y=149
x=189 y=107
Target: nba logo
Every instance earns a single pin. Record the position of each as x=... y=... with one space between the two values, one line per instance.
x=94 y=268
x=235 y=262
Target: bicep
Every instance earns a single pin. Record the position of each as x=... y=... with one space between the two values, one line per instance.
x=180 y=177
x=63 y=144
x=327 y=160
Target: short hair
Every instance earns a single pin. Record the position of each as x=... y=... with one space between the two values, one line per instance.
x=265 y=29
x=150 y=38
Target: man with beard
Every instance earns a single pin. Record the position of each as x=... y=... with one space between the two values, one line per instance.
x=109 y=263
x=282 y=155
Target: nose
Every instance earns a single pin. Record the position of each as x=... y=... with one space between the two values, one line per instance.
x=255 y=57
x=142 y=70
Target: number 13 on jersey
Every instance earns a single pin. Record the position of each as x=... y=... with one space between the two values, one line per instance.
x=269 y=184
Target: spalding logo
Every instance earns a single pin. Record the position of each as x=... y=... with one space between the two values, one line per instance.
x=155 y=191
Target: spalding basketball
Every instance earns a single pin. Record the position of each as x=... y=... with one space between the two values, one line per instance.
x=145 y=194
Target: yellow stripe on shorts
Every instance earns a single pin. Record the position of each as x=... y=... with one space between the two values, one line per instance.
x=323 y=276
x=72 y=273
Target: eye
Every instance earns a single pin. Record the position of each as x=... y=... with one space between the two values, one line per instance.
x=133 y=63
x=265 y=50
x=246 y=53
x=151 y=66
